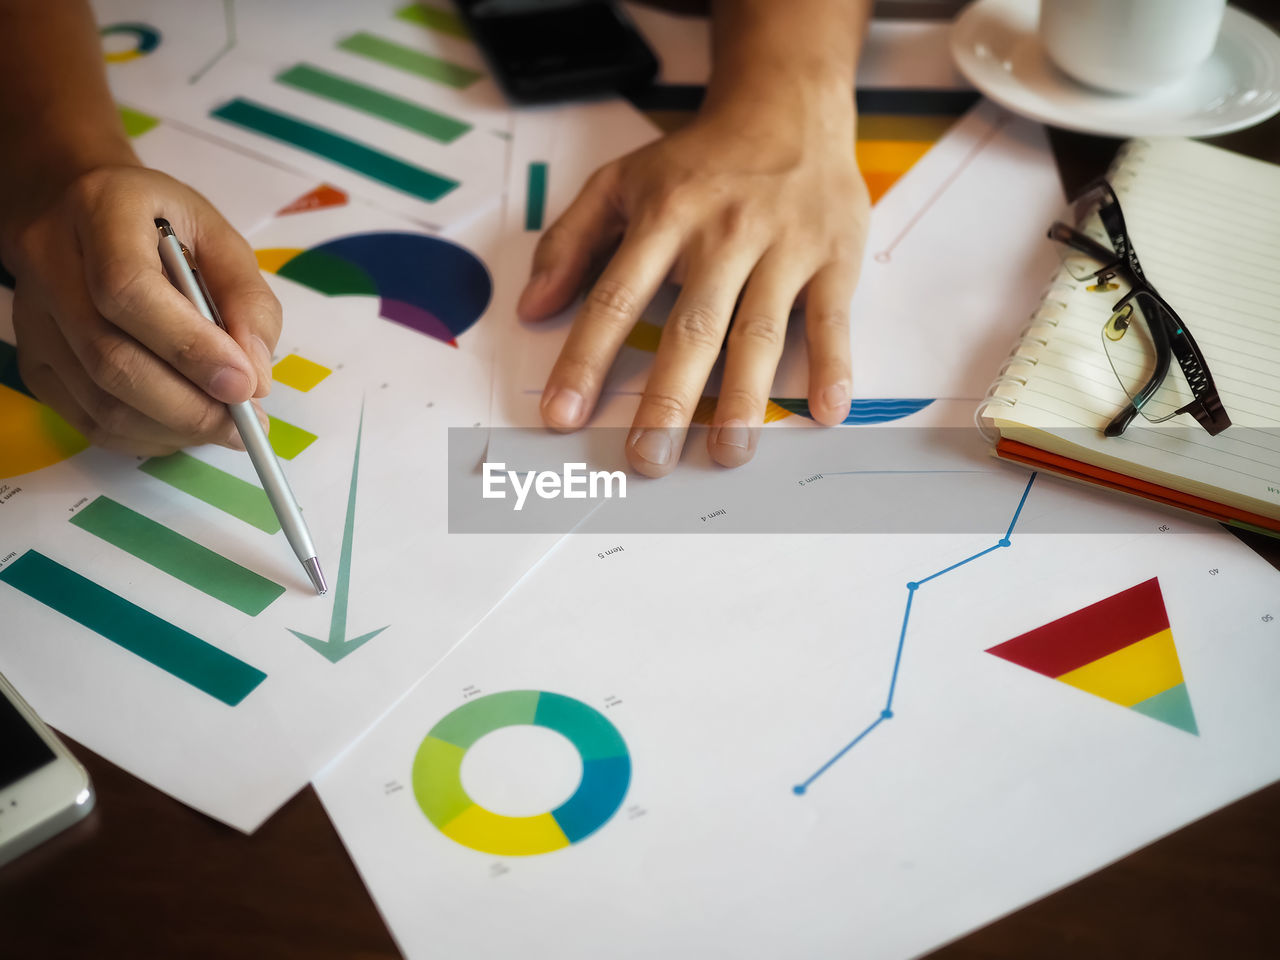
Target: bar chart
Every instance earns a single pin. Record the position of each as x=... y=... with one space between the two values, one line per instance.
x=32 y=438
x=396 y=86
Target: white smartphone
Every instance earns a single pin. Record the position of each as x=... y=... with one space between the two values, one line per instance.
x=43 y=789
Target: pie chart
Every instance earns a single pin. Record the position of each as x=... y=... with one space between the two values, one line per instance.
x=32 y=436
x=425 y=283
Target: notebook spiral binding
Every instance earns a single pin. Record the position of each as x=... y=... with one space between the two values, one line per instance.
x=1034 y=337
x=1027 y=348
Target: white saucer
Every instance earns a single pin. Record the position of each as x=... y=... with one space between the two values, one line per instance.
x=995 y=45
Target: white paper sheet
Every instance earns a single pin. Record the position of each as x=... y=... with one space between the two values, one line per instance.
x=383 y=407
x=199 y=65
x=956 y=261
x=736 y=669
x=246 y=191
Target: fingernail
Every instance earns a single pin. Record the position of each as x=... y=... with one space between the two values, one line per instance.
x=229 y=385
x=835 y=396
x=653 y=446
x=733 y=433
x=262 y=356
x=564 y=407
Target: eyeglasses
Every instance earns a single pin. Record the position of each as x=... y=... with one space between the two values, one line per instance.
x=1144 y=334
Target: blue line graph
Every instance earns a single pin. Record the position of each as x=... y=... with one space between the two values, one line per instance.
x=887 y=713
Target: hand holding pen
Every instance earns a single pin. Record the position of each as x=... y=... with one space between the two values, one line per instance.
x=104 y=338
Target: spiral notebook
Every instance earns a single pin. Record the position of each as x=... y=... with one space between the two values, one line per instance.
x=1205 y=223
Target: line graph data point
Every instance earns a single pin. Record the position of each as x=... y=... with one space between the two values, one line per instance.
x=913 y=585
x=798 y=789
x=1005 y=542
x=886 y=714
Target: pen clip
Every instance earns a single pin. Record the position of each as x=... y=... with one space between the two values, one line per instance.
x=204 y=290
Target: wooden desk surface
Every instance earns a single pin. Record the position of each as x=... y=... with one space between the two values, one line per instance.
x=144 y=876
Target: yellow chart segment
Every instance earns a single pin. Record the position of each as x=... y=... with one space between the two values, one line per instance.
x=273 y=259
x=32 y=436
x=482 y=829
x=1131 y=674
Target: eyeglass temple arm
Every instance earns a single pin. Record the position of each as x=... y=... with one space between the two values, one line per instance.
x=1063 y=233
x=1164 y=359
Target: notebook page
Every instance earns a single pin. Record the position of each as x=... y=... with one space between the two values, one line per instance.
x=1205 y=224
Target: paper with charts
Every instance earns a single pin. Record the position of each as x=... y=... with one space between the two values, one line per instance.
x=814 y=746
x=152 y=608
x=388 y=100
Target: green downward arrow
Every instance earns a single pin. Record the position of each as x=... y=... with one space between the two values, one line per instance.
x=337 y=647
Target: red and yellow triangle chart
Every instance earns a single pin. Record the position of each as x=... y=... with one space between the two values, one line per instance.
x=1120 y=649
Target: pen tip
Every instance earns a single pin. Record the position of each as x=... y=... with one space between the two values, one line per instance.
x=312 y=566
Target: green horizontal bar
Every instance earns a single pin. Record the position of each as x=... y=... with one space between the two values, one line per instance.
x=402 y=113
x=219 y=489
x=287 y=440
x=139 y=631
x=410 y=60
x=433 y=18
x=337 y=149
x=167 y=550
x=535 y=203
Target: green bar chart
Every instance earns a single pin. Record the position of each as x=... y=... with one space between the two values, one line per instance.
x=178 y=556
x=395 y=55
x=160 y=643
x=219 y=489
x=335 y=148
x=358 y=96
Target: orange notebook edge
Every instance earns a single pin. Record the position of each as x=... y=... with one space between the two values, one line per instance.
x=1028 y=455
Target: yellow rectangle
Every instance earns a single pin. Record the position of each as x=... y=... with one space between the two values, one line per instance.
x=299 y=372
x=1133 y=673
x=896 y=156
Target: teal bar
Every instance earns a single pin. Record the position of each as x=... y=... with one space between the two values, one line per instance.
x=337 y=149
x=167 y=550
x=219 y=489
x=157 y=641
x=410 y=60
x=402 y=113
x=535 y=202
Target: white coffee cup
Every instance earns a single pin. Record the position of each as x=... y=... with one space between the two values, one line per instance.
x=1129 y=46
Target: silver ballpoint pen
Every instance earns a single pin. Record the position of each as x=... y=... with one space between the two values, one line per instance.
x=183 y=274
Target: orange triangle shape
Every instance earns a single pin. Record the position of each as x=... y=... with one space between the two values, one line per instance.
x=321 y=197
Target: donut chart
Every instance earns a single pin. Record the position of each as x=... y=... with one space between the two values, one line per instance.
x=437 y=768
x=146 y=39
